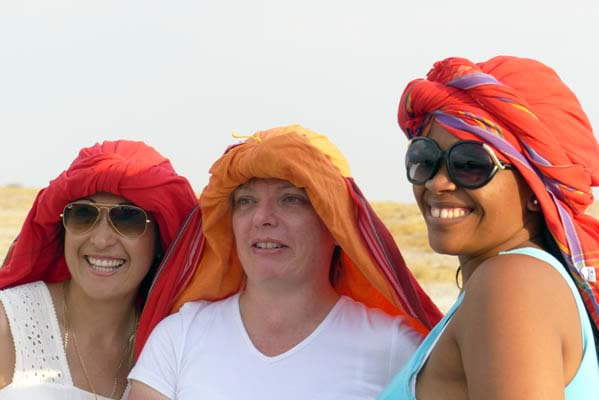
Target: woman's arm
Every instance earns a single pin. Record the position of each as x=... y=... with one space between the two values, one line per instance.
x=518 y=331
x=7 y=351
x=141 y=391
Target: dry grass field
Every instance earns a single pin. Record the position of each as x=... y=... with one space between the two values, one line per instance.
x=14 y=205
x=436 y=272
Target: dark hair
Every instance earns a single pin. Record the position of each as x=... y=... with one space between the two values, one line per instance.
x=148 y=280
x=335 y=269
x=550 y=245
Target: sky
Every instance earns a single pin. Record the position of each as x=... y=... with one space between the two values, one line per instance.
x=182 y=75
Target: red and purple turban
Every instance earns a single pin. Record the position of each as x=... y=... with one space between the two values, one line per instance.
x=523 y=110
x=136 y=172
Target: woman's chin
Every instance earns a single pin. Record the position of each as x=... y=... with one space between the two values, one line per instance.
x=444 y=247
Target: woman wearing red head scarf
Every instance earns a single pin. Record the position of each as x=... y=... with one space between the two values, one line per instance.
x=502 y=159
x=92 y=267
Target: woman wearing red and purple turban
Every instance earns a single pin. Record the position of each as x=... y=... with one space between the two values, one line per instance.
x=93 y=269
x=502 y=160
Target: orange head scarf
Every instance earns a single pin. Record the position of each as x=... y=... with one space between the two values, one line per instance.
x=523 y=110
x=125 y=168
x=372 y=270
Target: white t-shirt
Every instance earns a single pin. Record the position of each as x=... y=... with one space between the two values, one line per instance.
x=204 y=352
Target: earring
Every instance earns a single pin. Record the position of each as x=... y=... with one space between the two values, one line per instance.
x=535 y=202
x=457 y=277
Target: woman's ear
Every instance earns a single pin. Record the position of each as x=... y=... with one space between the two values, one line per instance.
x=533 y=204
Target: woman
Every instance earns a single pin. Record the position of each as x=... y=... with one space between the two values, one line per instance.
x=77 y=279
x=502 y=159
x=295 y=262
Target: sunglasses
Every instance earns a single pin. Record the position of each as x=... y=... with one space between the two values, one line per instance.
x=127 y=220
x=470 y=164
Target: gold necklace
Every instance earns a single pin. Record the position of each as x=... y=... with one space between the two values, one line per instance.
x=126 y=350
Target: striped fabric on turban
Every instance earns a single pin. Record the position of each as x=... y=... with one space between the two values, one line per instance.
x=372 y=269
x=524 y=111
x=125 y=168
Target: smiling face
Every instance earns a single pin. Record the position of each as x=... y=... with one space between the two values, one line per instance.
x=279 y=237
x=102 y=262
x=475 y=223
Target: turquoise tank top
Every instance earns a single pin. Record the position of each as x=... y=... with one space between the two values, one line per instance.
x=584 y=385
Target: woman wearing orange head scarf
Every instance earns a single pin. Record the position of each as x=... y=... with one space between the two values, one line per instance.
x=92 y=269
x=303 y=293
x=502 y=159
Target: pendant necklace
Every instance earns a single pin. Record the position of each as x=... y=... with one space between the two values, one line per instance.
x=71 y=333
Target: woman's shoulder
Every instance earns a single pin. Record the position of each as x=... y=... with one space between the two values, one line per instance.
x=530 y=268
x=357 y=313
x=196 y=312
x=26 y=287
x=5 y=335
x=23 y=298
x=186 y=326
x=517 y=285
x=28 y=292
x=348 y=305
x=518 y=310
x=6 y=343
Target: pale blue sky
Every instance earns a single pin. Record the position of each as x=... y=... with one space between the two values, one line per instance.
x=181 y=75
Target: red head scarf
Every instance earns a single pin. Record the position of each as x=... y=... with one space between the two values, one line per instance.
x=372 y=270
x=129 y=169
x=524 y=111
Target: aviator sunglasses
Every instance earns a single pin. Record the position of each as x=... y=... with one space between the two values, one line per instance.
x=127 y=220
x=470 y=164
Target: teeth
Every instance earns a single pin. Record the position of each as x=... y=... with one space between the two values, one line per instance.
x=105 y=265
x=102 y=269
x=268 y=245
x=447 y=213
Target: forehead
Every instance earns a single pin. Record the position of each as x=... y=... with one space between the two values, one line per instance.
x=442 y=136
x=269 y=183
x=105 y=198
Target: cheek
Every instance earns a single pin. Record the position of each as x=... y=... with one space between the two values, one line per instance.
x=418 y=191
x=143 y=252
x=71 y=246
x=318 y=235
x=505 y=198
x=238 y=236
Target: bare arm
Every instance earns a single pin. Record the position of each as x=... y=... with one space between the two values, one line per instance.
x=519 y=331
x=7 y=351
x=141 y=391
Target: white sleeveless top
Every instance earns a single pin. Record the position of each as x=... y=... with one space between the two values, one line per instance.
x=41 y=368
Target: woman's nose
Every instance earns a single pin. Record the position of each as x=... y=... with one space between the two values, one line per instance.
x=103 y=234
x=441 y=181
x=265 y=214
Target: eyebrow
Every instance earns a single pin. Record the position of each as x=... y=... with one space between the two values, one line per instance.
x=279 y=185
x=287 y=185
x=95 y=202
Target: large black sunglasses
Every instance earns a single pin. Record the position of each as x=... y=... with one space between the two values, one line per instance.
x=127 y=220
x=470 y=164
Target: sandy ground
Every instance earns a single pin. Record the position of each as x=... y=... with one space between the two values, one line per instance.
x=443 y=294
